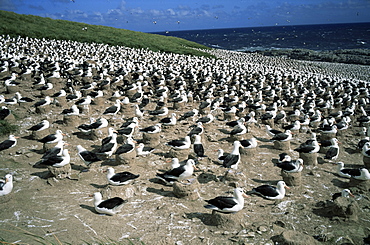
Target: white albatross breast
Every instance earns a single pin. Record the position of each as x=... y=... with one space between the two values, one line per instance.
x=6 y=186
x=142 y=150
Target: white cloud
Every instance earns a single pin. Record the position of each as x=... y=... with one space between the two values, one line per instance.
x=155 y=12
x=122 y=5
x=204 y=16
x=7 y=5
x=171 y=12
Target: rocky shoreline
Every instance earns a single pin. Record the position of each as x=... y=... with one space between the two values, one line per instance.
x=347 y=56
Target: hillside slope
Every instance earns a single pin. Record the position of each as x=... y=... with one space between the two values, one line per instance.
x=37 y=27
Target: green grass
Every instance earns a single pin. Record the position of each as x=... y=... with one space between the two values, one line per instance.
x=7 y=128
x=37 y=27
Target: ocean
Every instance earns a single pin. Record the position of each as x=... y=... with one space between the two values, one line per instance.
x=313 y=37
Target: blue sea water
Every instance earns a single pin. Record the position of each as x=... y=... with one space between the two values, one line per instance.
x=313 y=37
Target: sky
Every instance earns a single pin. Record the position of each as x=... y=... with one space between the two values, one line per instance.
x=178 y=15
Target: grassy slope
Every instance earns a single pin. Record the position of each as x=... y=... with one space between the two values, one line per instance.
x=37 y=27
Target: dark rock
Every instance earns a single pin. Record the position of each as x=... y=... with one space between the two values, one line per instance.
x=290 y=237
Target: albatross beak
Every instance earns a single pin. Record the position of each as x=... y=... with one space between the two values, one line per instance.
x=245 y=195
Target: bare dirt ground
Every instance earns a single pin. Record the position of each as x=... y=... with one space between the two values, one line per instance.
x=62 y=210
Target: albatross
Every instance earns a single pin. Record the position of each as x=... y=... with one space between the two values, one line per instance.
x=56 y=161
x=232 y=160
x=9 y=143
x=333 y=151
x=86 y=156
x=110 y=206
x=142 y=150
x=109 y=148
x=347 y=172
x=271 y=192
x=283 y=136
x=178 y=174
x=225 y=204
x=292 y=166
x=198 y=146
x=52 y=138
x=6 y=186
x=180 y=144
x=122 y=178
x=44 y=124
x=344 y=193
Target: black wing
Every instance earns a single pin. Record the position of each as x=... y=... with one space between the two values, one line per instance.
x=111 y=203
x=222 y=202
x=199 y=150
x=266 y=190
x=288 y=166
x=230 y=160
x=148 y=129
x=332 y=152
x=351 y=171
x=124 y=149
x=174 y=172
x=305 y=148
x=51 y=160
x=176 y=142
x=36 y=127
x=6 y=144
x=51 y=152
x=111 y=109
x=125 y=131
x=106 y=147
x=47 y=138
x=89 y=156
x=124 y=176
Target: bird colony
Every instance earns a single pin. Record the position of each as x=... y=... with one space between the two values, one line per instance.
x=120 y=143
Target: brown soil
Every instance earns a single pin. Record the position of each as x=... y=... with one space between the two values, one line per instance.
x=63 y=208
